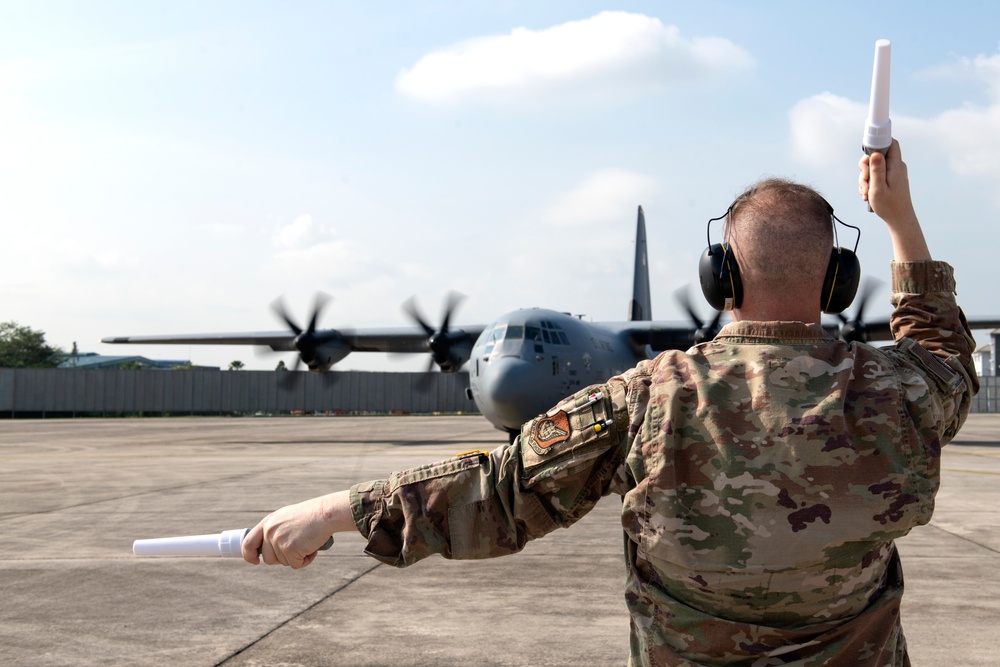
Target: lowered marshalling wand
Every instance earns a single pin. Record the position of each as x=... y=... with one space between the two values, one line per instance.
x=226 y=544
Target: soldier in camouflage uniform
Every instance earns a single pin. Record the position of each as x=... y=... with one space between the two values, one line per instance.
x=764 y=474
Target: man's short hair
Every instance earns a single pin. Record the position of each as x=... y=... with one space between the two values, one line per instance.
x=783 y=233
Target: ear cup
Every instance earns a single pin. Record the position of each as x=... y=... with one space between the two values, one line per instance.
x=843 y=275
x=720 y=278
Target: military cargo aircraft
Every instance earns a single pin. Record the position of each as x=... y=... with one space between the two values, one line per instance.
x=526 y=360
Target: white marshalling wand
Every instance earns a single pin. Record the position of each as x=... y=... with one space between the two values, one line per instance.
x=226 y=544
x=878 y=128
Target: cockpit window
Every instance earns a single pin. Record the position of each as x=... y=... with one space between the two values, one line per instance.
x=487 y=335
x=514 y=332
x=539 y=332
x=490 y=337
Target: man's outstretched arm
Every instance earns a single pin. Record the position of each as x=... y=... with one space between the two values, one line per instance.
x=475 y=505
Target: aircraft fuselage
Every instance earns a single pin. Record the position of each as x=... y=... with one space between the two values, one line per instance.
x=526 y=361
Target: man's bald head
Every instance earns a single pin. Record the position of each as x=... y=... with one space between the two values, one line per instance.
x=781 y=233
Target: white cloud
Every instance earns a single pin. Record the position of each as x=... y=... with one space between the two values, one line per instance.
x=291 y=234
x=827 y=129
x=326 y=260
x=971 y=139
x=305 y=248
x=981 y=68
x=970 y=135
x=595 y=223
x=607 y=56
x=601 y=198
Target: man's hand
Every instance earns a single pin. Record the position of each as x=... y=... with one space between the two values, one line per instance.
x=292 y=535
x=885 y=184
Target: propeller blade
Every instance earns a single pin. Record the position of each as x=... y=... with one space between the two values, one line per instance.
x=685 y=301
x=278 y=306
x=716 y=322
x=701 y=331
x=306 y=342
x=411 y=309
x=869 y=288
x=454 y=298
x=290 y=377
x=854 y=329
x=439 y=341
x=322 y=298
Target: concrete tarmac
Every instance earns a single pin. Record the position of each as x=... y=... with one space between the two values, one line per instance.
x=74 y=494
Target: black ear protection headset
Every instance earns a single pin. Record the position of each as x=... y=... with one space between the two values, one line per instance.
x=723 y=288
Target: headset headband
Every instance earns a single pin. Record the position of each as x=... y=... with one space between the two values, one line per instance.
x=723 y=288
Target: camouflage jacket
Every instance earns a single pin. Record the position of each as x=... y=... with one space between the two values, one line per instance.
x=764 y=476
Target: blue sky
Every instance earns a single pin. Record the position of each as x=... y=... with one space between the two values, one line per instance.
x=172 y=167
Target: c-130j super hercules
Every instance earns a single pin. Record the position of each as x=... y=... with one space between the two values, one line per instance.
x=526 y=360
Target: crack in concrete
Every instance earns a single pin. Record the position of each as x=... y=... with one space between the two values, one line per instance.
x=298 y=615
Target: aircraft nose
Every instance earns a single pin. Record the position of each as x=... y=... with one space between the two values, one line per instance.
x=514 y=387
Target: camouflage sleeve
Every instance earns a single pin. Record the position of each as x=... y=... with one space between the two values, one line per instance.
x=932 y=336
x=481 y=505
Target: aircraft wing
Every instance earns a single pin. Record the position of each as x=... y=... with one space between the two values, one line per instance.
x=661 y=336
x=657 y=335
x=878 y=329
x=401 y=339
x=977 y=323
x=276 y=340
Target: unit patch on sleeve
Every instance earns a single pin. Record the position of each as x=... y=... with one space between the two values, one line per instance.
x=552 y=430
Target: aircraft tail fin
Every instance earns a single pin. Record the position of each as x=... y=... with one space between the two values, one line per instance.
x=639 y=307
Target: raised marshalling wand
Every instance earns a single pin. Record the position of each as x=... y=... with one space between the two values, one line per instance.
x=226 y=544
x=878 y=128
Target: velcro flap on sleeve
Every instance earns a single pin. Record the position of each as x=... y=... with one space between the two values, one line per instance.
x=431 y=471
x=575 y=430
x=937 y=368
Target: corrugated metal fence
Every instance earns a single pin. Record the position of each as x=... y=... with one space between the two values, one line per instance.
x=987 y=400
x=72 y=392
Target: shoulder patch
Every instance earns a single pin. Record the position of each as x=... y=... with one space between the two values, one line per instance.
x=580 y=428
x=552 y=430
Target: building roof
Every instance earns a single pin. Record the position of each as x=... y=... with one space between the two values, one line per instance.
x=94 y=360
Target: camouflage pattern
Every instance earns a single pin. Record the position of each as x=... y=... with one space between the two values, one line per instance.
x=764 y=476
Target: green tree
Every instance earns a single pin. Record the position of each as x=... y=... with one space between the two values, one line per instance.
x=281 y=366
x=23 y=347
x=236 y=365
